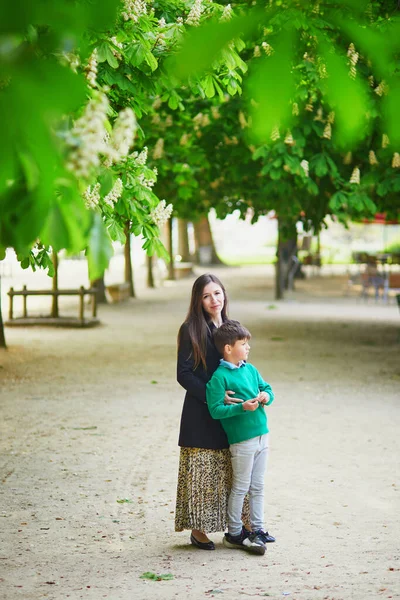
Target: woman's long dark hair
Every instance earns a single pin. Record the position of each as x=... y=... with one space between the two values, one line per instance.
x=198 y=320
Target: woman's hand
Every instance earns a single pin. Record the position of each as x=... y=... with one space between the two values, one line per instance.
x=229 y=400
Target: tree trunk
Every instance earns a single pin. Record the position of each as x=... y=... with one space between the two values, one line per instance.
x=128 y=261
x=2 y=335
x=150 y=274
x=171 y=264
x=286 y=250
x=206 y=253
x=54 y=304
x=183 y=247
x=99 y=284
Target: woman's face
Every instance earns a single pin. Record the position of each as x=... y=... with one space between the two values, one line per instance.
x=213 y=299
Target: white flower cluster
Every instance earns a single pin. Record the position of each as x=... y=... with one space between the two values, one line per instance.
x=396 y=160
x=327 y=134
x=90 y=131
x=184 y=139
x=295 y=109
x=353 y=57
x=134 y=9
x=91 y=69
x=257 y=51
x=289 y=139
x=348 y=157
x=179 y=21
x=305 y=166
x=242 y=120
x=275 y=135
x=355 y=176
x=194 y=15
x=372 y=158
x=92 y=196
x=215 y=112
x=114 y=193
x=72 y=60
x=158 y=150
x=147 y=183
x=141 y=159
x=162 y=22
x=385 y=140
x=201 y=120
x=309 y=106
x=268 y=49
x=117 y=54
x=382 y=89
x=227 y=14
x=161 y=213
x=122 y=136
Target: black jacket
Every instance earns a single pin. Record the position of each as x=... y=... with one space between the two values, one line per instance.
x=198 y=429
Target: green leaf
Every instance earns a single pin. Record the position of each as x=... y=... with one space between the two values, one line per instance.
x=151 y=60
x=269 y=92
x=347 y=96
x=155 y=577
x=208 y=86
x=99 y=250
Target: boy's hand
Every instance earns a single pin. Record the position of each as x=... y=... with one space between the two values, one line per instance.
x=251 y=404
x=229 y=400
x=263 y=397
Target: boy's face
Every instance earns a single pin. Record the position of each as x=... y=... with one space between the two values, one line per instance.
x=239 y=351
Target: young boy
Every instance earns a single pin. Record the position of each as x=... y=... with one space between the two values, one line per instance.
x=246 y=427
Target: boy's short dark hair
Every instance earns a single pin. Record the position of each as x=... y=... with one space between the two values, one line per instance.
x=229 y=333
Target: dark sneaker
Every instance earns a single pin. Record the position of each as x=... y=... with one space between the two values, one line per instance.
x=244 y=541
x=264 y=536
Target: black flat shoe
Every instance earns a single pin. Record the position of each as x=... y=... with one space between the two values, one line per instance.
x=202 y=545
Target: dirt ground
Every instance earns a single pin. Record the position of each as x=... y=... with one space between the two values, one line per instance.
x=88 y=452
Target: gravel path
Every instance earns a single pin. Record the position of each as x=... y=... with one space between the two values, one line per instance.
x=88 y=452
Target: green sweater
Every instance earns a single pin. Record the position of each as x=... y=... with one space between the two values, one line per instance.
x=246 y=382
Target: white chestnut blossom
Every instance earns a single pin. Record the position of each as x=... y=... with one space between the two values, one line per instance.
x=305 y=166
x=115 y=193
x=161 y=213
x=142 y=158
x=215 y=112
x=134 y=9
x=92 y=196
x=122 y=136
x=227 y=14
x=295 y=109
x=396 y=160
x=162 y=22
x=289 y=139
x=268 y=49
x=184 y=139
x=91 y=69
x=385 y=140
x=275 y=135
x=355 y=176
x=119 y=45
x=194 y=15
x=327 y=134
x=372 y=158
x=382 y=89
x=87 y=137
x=158 y=150
x=348 y=158
x=257 y=51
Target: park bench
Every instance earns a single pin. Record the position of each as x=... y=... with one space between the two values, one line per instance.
x=54 y=318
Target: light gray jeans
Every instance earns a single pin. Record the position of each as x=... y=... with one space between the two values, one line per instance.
x=249 y=461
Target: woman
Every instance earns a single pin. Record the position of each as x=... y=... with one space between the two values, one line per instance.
x=205 y=472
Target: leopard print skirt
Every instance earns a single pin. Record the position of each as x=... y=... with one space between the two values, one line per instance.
x=204 y=484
